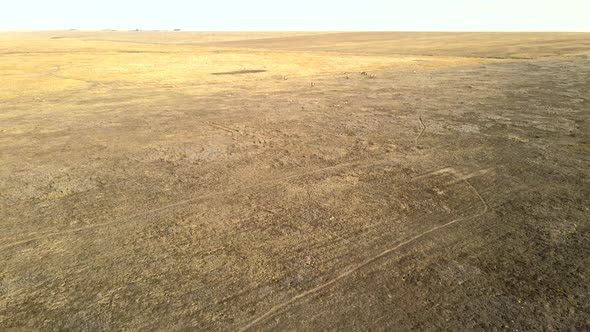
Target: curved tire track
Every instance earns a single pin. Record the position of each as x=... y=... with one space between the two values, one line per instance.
x=275 y=309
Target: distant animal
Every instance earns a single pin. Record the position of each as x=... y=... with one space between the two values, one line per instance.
x=286 y=78
x=372 y=76
x=312 y=84
x=364 y=73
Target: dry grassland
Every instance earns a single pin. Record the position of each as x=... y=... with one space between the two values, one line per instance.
x=294 y=181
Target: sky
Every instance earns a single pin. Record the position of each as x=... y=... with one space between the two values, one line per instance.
x=298 y=15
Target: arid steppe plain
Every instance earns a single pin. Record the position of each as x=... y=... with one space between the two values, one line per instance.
x=181 y=181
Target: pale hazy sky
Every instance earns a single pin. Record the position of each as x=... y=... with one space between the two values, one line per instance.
x=429 y=15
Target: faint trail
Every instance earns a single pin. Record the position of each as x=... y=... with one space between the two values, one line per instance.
x=369 y=261
x=435 y=172
x=461 y=177
x=78 y=194
x=421 y=131
x=458 y=176
x=218 y=126
x=268 y=183
x=54 y=73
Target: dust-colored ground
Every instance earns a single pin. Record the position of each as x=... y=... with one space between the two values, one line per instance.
x=294 y=181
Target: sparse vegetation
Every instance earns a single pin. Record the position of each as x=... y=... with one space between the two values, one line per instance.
x=294 y=181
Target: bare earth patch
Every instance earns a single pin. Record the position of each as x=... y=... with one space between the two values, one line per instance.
x=237 y=72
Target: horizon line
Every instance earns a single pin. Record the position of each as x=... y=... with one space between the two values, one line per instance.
x=289 y=30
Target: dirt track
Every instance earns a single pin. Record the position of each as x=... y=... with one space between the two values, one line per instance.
x=140 y=191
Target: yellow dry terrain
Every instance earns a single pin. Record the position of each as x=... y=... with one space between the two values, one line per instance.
x=64 y=63
x=213 y=181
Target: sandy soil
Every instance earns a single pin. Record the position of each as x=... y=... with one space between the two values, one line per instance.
x=339 y=181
